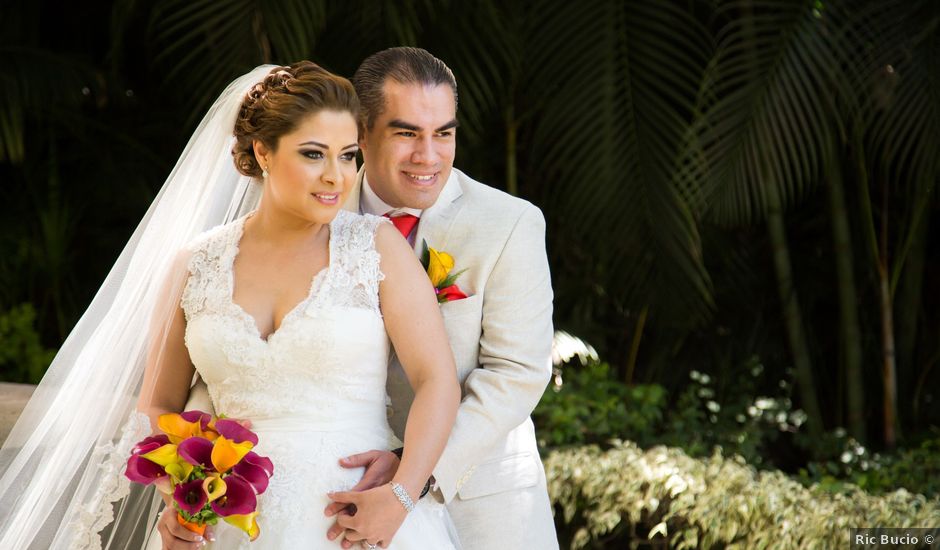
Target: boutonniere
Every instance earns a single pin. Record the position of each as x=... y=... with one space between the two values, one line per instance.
x=439 y=265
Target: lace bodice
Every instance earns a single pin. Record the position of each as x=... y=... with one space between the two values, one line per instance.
x=314 y=390
x=327 y=360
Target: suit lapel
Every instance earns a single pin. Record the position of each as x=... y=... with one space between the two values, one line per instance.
x=436 y=221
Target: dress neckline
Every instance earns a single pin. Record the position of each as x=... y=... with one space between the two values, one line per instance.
x=238 y=231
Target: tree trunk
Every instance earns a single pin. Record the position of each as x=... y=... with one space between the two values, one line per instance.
x=791 y=311
x=908 y=305
x=635 y=344
x=848 y=306
x=512 y=183
x=889 y=366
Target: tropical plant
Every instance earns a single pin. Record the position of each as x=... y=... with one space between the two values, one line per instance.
x=719 y=501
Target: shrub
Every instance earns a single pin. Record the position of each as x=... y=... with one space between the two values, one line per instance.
x=22 y=356
x=714 y=501
x=916 y=469
x=592 y=407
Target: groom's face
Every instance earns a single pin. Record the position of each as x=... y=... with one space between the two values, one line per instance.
x=409 y=151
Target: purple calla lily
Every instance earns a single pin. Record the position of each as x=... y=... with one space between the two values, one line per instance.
x=196 y=450
x=239 y=498
x=141 y=470
x=190 y=497
x=194 y=415
x=256 y=470
x=261 y=461
x=151 y=443
x=229 y=429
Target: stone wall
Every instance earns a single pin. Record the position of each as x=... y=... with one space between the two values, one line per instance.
x=13 y=398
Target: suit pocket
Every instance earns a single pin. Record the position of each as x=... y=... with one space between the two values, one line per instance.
x=518 y=471
x=459 y=308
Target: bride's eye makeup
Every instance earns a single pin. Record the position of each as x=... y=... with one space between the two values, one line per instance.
x=312 y=154
x=348 y=156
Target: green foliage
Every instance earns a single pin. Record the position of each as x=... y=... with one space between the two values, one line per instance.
x=710 y=502
x=22 y=357
x=592 y=407
x=916 y=469
x=733 y=416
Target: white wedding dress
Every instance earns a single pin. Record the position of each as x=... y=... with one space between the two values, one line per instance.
x=314 y=390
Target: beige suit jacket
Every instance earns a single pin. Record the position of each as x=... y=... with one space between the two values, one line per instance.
x=490 y=474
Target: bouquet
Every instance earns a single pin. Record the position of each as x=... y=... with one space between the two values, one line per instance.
x=208 y=467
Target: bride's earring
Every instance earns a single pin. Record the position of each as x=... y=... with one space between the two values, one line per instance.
x=264 y=173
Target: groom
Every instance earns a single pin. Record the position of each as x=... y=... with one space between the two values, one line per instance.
x=490 y=475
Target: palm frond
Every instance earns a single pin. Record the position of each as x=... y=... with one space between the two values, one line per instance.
x=768 y=105
x=899 y=89
x=486 y=67
x=33 y=83
x=212 y=41
x=609 y=142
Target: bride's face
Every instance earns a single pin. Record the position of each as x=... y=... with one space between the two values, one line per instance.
x=314 y=167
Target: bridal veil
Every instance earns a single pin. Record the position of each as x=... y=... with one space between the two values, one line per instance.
x=61 y=468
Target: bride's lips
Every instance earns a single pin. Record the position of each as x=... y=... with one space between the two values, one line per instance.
x=329 y=199
x=421 y=179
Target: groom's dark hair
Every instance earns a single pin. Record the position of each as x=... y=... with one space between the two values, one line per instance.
x=404 y=65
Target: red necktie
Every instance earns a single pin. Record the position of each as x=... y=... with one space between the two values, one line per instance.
x=405 y=223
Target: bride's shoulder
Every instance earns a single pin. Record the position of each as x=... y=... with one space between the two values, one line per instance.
x=355 y=224
x=208 y=250
x=216 y=237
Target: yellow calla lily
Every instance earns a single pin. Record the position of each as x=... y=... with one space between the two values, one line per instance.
x=179 y=471
x=164 y=455
x=226 y=453
x=214 y=486
x=439 y=265
x=245 y=522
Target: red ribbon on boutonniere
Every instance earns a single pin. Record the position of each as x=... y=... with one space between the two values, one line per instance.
x=439 y=265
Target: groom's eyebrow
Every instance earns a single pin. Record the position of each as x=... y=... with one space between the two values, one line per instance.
x=452 y=124
x=401 y=124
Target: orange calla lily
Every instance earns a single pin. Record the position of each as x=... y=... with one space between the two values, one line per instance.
x=245 y=522
x=177 y=428
x=226 y=453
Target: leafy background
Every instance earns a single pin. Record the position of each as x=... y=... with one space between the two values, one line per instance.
x=726 y=183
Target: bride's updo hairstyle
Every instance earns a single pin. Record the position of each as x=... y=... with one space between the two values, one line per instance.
x=279 y=103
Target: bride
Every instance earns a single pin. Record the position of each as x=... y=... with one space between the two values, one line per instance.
x=285 y=308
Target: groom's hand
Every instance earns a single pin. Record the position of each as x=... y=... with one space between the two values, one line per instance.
x=380 y=466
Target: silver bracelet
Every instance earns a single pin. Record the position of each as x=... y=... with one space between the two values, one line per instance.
x=403 y=497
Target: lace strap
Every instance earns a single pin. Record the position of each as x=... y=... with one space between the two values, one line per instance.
x=211 y=254
x=355 y=276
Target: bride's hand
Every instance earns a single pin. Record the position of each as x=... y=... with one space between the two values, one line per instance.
x=378 y=515
x=177 y=537
x=380 y=466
